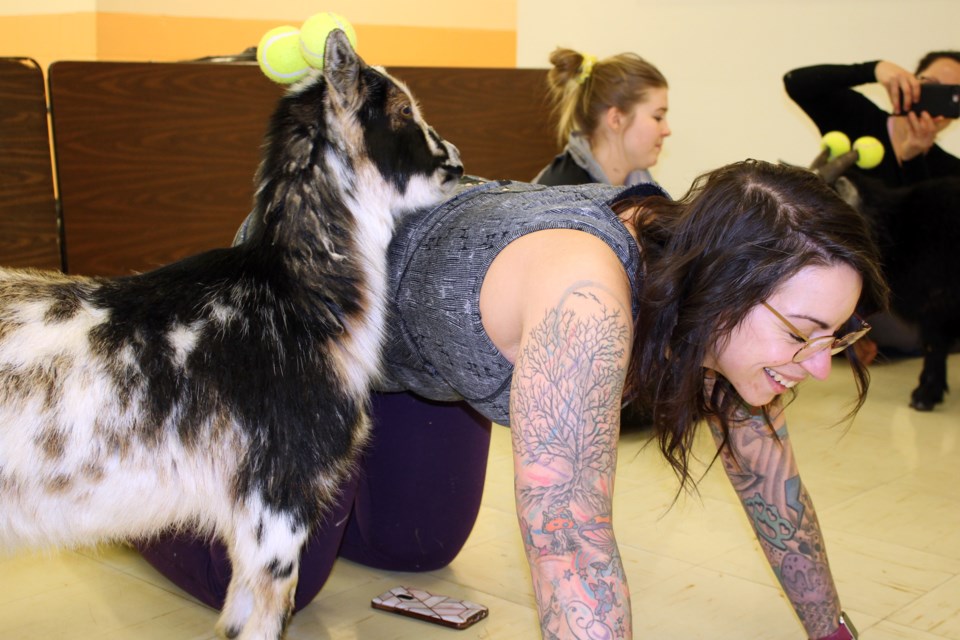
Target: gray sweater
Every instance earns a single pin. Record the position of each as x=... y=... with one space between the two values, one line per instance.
x=436 y=345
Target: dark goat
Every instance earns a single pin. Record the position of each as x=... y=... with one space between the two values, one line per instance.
x=918 y=231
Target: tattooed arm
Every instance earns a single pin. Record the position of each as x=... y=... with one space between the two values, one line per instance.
x=565 y=417
x=763 y=471
x=566 y=325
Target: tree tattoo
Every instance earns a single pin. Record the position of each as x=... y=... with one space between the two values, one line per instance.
x=565 y=406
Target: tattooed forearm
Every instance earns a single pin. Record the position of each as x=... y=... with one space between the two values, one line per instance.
x=805 y=575
x=565 y=405
x=760 y=464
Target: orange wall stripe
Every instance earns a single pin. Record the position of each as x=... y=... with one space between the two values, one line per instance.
x=47 y=38
x=428 y=47
x=133 y=37
x=162 y=38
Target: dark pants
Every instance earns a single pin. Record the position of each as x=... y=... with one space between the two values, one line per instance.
x=410 y=507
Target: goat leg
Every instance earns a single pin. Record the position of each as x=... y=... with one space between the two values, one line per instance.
x=933 y=377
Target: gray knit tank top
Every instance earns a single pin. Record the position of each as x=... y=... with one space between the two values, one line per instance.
x=436 y=346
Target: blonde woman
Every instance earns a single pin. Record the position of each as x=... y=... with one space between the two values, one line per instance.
x=611 y=115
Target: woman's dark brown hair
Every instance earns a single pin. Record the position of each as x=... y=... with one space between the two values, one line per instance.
x=933 y=56
x=710 y=258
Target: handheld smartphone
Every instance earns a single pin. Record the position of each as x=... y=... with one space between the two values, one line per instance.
x=939 y=100
x=423 y=605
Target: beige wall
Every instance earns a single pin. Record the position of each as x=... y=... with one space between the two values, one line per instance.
x=45 y=7
x=725 y=60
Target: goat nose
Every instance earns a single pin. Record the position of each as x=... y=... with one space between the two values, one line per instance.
x=453 y=151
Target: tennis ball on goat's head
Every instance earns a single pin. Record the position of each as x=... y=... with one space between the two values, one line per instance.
x=279 y=57
x=836 y=142
x=869 y=152
x=314 y=32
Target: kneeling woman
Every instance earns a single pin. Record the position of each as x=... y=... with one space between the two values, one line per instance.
x=543 y=308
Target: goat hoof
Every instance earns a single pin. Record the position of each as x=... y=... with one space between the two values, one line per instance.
x=923 y=400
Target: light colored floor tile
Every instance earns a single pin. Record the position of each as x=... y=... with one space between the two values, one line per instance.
x=692 y=531
x=886 y=487
x=700 y=604
x=68 y=595
x=878 y=514
x=348 y=615
x=936 y=612
x=496 y=566
x=881 y=578
x=886 y=630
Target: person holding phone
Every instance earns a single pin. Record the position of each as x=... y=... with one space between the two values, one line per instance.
x=826 y=94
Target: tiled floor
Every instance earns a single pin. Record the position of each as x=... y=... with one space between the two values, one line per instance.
x=887 y=491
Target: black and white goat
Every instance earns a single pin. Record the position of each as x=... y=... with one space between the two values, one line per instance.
x=917 y=229
x=226 y=392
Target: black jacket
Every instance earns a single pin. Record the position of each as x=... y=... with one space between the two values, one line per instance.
x=825 y=93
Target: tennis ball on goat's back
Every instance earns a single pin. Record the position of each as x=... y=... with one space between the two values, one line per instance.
x=869 y=152
x=279 y=57
x=314 y=32
x=836 y=142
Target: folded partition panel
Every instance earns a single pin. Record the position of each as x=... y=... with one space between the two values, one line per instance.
x=28 y=214
x=156 y=161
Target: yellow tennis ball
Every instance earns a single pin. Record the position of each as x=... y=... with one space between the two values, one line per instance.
x=279 y=57
x=314 y=32
x=836 y=142
x=869 y=152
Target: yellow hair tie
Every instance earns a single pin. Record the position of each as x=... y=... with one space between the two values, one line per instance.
x=586 y=68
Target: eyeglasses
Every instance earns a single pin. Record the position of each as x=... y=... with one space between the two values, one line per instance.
x=812 y=347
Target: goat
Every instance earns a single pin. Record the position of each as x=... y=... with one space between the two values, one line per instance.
x=917 y=229
x=225 y=392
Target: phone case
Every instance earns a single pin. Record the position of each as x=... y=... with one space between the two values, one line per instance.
x=939 y=100
x=423 y=605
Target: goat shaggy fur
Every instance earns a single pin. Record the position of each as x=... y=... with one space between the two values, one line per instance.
x=917 y=229
x=226 y=392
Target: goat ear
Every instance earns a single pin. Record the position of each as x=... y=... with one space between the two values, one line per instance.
x=832 y=170
x=341 y=65
x=848 y=192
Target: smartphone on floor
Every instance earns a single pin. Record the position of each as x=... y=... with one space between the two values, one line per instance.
x=431 y=607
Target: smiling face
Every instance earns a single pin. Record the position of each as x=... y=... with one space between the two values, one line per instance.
x=757 y=356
